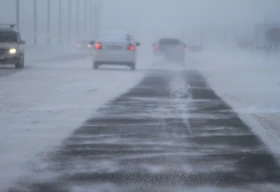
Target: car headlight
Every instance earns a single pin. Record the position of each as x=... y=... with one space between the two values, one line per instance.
x=89 y=45
x=13 y=51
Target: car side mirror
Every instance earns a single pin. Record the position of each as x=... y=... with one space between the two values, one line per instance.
x=137 y=44
x=22 y=42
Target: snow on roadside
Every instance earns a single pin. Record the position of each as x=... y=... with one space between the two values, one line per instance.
x=42 y=52
x=249 y=81
x=41 y=106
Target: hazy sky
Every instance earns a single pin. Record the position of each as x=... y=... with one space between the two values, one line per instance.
x=146 y=17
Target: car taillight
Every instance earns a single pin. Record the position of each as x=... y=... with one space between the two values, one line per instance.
x=182 y=48
x=157 y=47
x=97 y=45
x=131 y=47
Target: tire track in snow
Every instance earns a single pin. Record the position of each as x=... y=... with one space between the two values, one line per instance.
x=179 y=93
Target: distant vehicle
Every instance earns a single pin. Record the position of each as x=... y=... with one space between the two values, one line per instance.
x=115 y=48
x=196 y=46
x=85 y=45
x=156 y=49
x=172 y=48
x=11 y=46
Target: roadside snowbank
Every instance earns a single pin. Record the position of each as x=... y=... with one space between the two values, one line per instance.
x=34 y=53
x=250 y=83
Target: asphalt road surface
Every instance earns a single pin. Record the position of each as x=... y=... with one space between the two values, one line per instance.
x=171 y=132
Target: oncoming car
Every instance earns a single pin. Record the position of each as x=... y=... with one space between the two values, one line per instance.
x=115 y=48
x=11 y=47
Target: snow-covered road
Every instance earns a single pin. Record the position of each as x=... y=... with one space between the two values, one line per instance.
x=35 y=55
x=44 y=103
x=168 y=131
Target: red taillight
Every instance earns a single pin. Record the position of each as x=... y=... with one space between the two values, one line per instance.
x=131 y=47
x=156 y=47
x=97 y=46
x=182 y=48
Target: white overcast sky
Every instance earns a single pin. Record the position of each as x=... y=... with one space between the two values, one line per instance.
x=149 y=17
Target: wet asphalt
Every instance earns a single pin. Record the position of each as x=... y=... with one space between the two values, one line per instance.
x=171 y=132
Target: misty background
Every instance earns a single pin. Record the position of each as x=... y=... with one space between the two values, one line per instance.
x=215 y=21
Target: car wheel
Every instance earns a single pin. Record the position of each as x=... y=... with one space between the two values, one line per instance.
x=133 y=67
x=17 y=66
x=20 y=64
x=95 y=65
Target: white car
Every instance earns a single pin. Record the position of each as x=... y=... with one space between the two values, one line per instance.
x=115 y=48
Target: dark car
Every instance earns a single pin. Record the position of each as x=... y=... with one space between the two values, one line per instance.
x=171 y=48
x=85 y=45
x=11 y=47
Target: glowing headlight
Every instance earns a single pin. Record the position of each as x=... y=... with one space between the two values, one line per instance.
x=89 y=45
x=13 y=51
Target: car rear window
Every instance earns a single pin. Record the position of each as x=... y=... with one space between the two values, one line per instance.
x=84 y=42
x=169 y=41
x=112 y=38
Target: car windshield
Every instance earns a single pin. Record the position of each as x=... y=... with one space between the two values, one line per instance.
x=8 y=36
x=140 y=96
